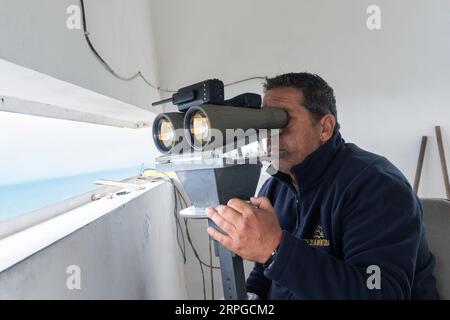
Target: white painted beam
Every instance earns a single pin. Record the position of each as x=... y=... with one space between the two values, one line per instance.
x=35 y=108
x=26 y=91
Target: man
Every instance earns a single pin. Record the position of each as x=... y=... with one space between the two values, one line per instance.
x=335 y=222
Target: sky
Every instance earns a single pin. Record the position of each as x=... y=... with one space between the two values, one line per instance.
x=34 y=148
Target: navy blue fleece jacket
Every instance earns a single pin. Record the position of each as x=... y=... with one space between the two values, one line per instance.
x=351 y=209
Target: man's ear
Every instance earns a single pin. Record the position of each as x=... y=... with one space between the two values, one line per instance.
x=327 y=124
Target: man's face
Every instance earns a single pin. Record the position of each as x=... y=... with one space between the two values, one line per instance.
x=301 y=136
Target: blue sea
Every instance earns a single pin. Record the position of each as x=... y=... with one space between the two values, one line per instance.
x=24 y=197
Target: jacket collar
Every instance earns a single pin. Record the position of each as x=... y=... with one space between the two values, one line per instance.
x=315 y=165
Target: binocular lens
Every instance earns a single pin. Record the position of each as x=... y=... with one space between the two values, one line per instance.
x=199 y=127
x=166 y=133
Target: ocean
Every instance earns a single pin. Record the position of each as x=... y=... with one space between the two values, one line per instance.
x=24 y=197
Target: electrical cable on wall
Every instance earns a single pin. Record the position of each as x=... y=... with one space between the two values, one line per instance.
x=179 y=228
x=139 y=73
x=179 y=199
x=105 y=64
x=211 y=269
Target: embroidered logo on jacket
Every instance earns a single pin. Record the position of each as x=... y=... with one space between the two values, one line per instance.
x=318 y=239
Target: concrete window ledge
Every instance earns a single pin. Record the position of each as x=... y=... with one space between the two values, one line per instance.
x=24 y=243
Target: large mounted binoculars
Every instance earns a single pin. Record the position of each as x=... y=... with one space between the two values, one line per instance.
x=207 y=121
x=195 y=142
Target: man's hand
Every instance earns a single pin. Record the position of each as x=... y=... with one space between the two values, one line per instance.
x=253 y=230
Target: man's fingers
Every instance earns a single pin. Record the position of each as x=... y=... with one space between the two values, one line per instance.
x=261 y=202
x=220 y=237
x=229 y=214
x=220 y=221
x=255 y=201
x=240 y=206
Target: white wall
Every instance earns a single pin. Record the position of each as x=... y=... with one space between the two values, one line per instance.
x=34 y=34
x=129 y=253
x=391 y=85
